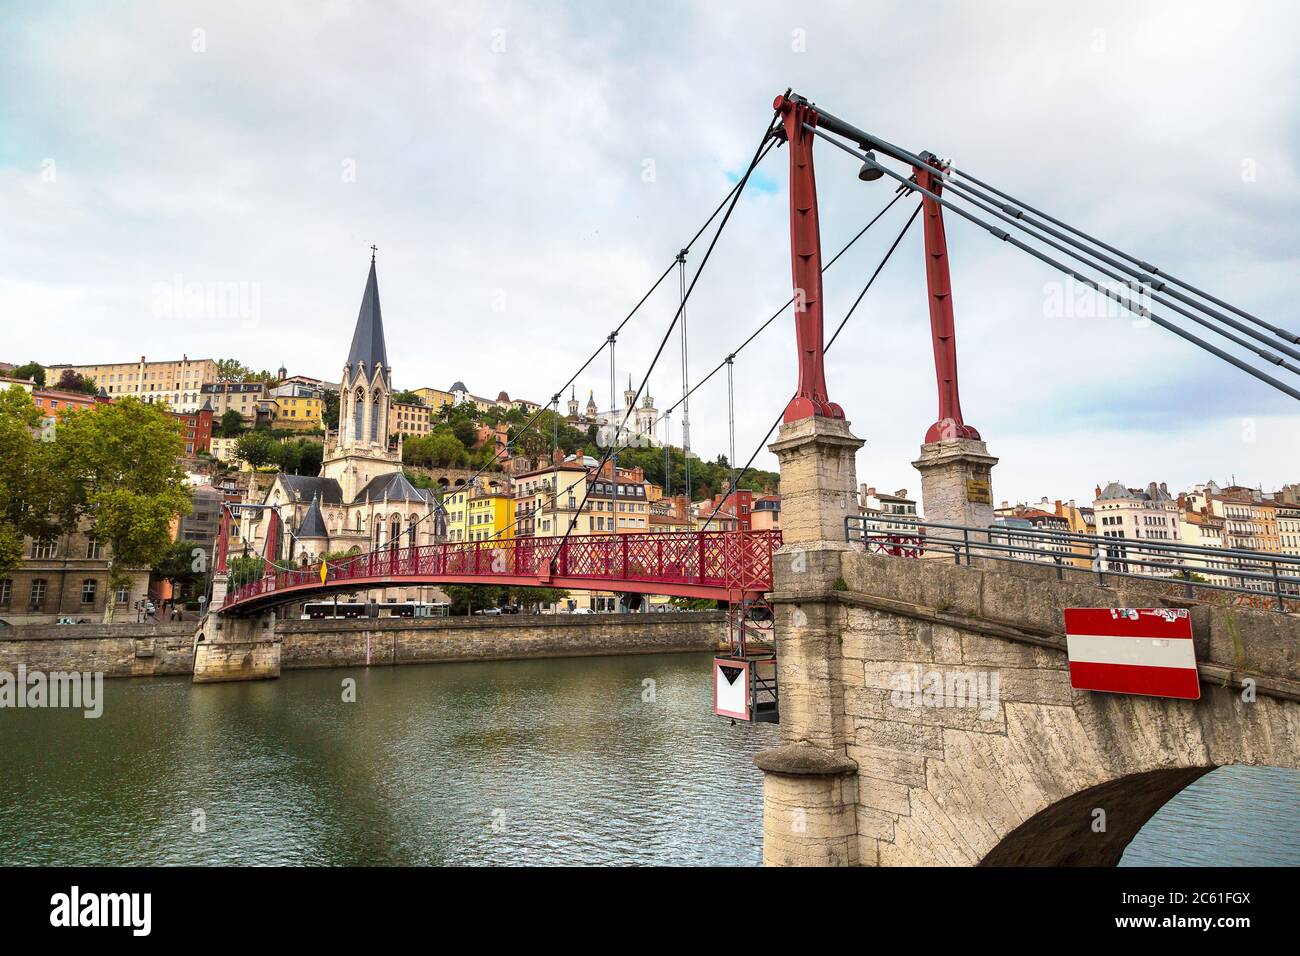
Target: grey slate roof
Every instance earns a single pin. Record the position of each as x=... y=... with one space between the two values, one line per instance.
x=368 y=339
x=394 y=487
x=301 y=488
x=313 y=524
x=1115 y=490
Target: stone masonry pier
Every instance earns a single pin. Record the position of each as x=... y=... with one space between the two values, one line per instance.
x=1006 y=763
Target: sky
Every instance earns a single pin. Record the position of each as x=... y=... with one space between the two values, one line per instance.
x=207 y=178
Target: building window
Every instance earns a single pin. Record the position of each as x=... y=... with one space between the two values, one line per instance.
x=88 y=591
x=121 y=596
x=38 y=594
x=44 y=547
x=94 y=550
x=6 y=591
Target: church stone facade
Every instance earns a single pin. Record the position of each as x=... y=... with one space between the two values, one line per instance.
x=361 y=499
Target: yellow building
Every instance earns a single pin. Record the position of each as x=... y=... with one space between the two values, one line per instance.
x=299 y=413
x=480 y=514
x=435 y=398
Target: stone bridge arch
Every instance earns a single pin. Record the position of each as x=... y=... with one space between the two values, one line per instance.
x=875 y=775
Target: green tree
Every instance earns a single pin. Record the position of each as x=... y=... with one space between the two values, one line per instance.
x=121 y=482
x=330 y=411
x=313 y=453
x=73 y=381
x=245 y=568
x=258 y=449
x=466 y=433
x=33 y=370
x=408 y=397
x=184 y=564
x=231 y=370
x=231 y=424
x=28 y=485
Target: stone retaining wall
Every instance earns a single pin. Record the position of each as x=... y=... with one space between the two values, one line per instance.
x=116 y=650
x=405 y=641
x=142 y=650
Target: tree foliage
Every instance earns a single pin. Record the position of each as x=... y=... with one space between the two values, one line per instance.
x=118 y=477
x=467 y=598
x=184 y=563
x=73 y=381
x=231 y=424
x=257 y=449
x=33 y=370
x=330 y=410
x=26 y=483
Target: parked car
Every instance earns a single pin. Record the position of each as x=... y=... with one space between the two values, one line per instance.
x=488 y=610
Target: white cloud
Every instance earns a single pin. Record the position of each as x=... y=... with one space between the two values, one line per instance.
x=508 y=166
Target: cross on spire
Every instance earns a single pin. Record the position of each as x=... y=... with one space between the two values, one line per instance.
x=373 y=250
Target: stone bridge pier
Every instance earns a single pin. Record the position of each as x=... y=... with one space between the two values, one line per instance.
x=927 y=710
x=230 y=648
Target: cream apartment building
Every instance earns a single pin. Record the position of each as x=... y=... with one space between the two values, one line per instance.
x=176 y=384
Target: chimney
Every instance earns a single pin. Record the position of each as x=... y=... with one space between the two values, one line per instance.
x=1097 y=493
x=1164 y=487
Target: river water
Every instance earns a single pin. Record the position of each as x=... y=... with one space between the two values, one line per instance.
x=612 y=760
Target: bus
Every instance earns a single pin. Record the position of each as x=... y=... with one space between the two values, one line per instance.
x=330 y=610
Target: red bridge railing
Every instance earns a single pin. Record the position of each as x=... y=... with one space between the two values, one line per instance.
x=728 y=563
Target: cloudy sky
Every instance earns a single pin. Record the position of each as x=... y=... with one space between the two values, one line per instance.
x=527 y=170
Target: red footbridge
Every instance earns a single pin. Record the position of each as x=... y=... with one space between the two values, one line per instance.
x=732 y=566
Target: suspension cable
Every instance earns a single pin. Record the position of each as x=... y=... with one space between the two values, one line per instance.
x=898 y=194
x=758 y=155
x=1068 y=270
x=1018 y=209
x=504 y=453
x=686 y=380
x=1087 y=255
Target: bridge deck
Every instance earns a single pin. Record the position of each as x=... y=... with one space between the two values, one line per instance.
x=725 y=565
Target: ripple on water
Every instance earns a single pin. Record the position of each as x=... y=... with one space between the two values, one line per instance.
x=555 y=762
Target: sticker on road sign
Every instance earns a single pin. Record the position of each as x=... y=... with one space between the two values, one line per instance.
x=1146 y=651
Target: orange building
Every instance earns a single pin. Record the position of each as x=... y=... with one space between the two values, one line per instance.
x=54 y=403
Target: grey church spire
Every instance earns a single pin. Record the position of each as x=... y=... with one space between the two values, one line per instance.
x=368 y=339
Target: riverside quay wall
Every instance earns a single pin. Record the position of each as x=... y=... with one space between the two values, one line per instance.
x=148 y=650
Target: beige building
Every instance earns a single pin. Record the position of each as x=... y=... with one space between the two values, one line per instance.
x=1288 y=528
x=405 y=418
x=886 y=512
x=1134 y=514
x=243 y=397
x=66 y=577
x=177 y=384
x=1203 y=530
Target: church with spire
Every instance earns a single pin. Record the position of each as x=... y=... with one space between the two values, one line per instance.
x=640 y=421
x=361 y=500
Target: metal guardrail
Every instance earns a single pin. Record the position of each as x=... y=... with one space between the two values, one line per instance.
x=725 y=562
x=1275 y=578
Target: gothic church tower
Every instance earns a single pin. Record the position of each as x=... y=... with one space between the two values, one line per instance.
x=359 y=450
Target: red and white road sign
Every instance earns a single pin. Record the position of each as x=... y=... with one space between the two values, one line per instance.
x=1132 y=651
